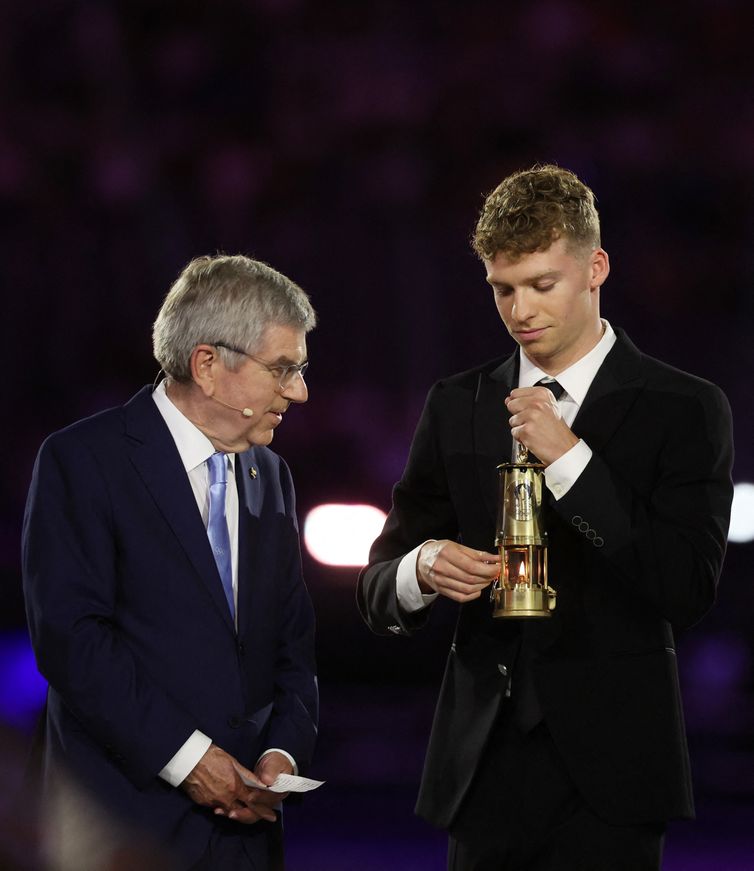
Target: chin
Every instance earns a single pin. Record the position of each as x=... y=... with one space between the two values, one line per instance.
x=261 y=438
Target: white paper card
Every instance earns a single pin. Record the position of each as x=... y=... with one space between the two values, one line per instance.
x=287 y=783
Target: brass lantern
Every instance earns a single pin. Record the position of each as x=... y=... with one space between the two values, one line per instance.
x=522 y=589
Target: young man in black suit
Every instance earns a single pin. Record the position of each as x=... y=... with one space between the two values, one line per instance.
x=559 y=743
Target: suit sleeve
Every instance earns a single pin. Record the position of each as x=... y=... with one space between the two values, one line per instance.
x=665 y=546
x=69 y=556
x=293 y=723
x=422 y=509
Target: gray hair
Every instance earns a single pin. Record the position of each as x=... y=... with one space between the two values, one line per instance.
x=229 y=299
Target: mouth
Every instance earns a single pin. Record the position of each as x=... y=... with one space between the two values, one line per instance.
x=530 y=335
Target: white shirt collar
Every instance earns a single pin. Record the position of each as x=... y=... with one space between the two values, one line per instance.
x=577 y=378
x=193 y=446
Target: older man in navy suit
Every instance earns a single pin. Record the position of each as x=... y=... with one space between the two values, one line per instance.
x=163 y=579
x=558 y=744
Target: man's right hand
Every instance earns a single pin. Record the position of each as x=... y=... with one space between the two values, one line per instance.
x=455 y=571
x=215 y=782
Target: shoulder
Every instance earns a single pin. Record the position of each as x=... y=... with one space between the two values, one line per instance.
x=97 y=429
x=670 y=393
x=467 y=382
x=470 y=377
x=659 y=375
x=665 y=378
x=77 y=464
x=104 y=437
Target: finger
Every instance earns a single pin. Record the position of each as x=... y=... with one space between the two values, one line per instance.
x=527 y=392
x=456 y=553
x=481 y=556
x=256 y=809
x=443 y=582
x=447 y=584
x=518 y=393
x=472 y=562
x=479 y=563
x=532 y=404
x=245 y=815
x=465 y=585
x=530 y=412
x=270 y=799
x=459 y=597
x=466 y=571
x=244 y=772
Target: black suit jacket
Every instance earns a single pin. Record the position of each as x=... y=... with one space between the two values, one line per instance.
x=636 y=548
x=131 y=628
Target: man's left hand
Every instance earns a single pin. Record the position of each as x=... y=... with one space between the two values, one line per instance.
x=537 y=423
x=267 y=770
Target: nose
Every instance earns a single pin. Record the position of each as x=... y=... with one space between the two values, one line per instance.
x=524 y=306
x=296 y=391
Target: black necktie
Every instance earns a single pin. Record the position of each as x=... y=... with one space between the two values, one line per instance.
x=556 y=389
x=527 y=708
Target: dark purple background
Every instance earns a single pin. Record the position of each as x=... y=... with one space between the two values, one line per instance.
x=348 y=144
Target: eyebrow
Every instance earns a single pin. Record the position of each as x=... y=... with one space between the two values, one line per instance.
x=533 y=279
x=287 y=361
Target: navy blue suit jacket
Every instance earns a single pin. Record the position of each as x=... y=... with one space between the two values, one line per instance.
x=131 y=628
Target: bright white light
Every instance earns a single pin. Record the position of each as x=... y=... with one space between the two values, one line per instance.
x=742 y=514
x=341 y=535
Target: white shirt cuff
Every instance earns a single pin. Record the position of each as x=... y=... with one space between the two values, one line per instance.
x=561 y=475
x=282 y=753
x=186 y=759
x=410 y=597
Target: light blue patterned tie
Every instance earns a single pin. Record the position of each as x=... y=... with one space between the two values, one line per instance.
x=217 y=527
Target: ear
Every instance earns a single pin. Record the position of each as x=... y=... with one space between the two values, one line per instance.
x=600 y=268
x=204 y=362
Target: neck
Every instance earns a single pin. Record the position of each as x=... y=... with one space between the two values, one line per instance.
x=182 y=397
x=193 y=405
x=559 y=363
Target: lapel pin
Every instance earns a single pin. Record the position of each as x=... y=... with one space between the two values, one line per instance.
x=253 y=472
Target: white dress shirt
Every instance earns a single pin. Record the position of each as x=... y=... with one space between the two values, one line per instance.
x=560 y=475
x=195 y=449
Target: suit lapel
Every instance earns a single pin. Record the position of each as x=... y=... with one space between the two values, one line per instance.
x=611 y=394
x=492 y=436
x=156 y=459
x=249 y=507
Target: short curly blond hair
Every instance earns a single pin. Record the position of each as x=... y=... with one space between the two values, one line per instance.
x=531 y=209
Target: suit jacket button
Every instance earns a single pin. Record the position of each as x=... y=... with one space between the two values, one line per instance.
x=241 y=648
x=503 y=669
x=234 y=722
x=576 y=519
x=599 y=541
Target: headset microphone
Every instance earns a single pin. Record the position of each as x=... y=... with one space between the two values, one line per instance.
x=246 y=412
